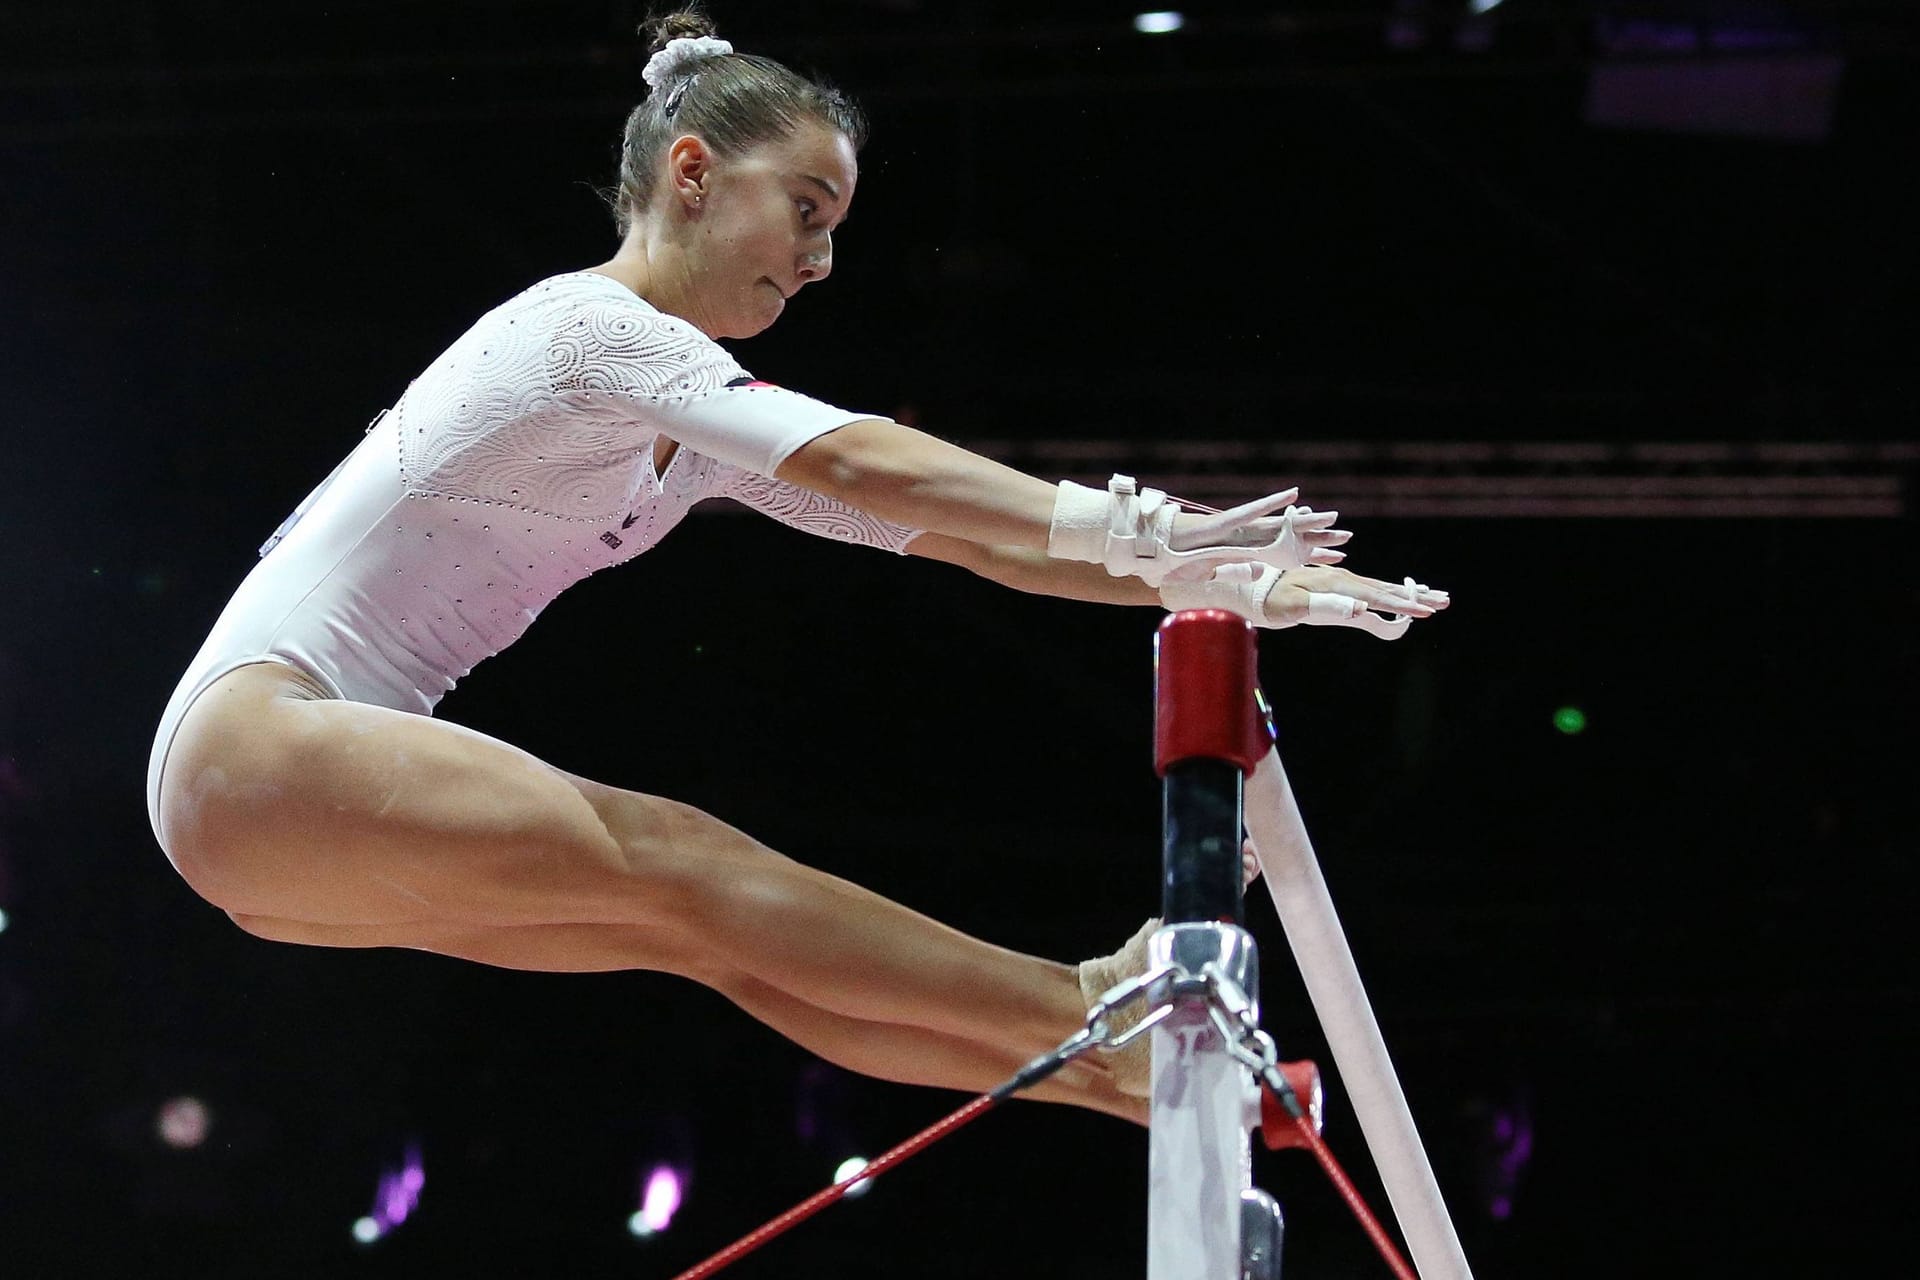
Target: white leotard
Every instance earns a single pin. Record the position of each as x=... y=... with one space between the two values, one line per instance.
x=518 y=463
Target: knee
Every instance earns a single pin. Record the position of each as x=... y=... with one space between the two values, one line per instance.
x=217 y=826
x=218 y=870
x=306 y=933
x=204 y=868
x=267 y=927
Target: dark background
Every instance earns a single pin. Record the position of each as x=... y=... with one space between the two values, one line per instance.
x=1673 y=951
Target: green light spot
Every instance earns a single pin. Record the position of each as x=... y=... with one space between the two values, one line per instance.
x=1570 y=720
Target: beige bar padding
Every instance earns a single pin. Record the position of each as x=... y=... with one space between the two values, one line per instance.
x=1320 y=950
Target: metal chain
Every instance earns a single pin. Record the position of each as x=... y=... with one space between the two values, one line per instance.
x=1246 y=1042
x=1231 y=1011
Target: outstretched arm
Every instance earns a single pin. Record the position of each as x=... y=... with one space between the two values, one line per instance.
x=911 y=478
x=1064 y=540
x=1027 y=569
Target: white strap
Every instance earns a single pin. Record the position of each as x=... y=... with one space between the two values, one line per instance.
x=1079 y=529
x=1346 y=1017
x=1128 y=530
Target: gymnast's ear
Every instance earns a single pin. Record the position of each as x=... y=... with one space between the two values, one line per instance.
x=689 y=169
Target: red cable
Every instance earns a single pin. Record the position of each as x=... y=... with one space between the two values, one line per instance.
x=820 y=1200
x=1352 y=1197
x=973 y=1111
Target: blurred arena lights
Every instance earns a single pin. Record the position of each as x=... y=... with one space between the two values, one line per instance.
x=849 y=1169
x=1513 y=1135
x=659 y=1201
x=183 y=1122
x=3 y=920
x=1158 y=23
x=1570 y=720
x=396 y=1197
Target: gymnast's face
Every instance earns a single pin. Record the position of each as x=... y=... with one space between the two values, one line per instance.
x=761 y=223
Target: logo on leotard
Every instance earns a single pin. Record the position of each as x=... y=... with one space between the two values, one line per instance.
x=751 y=382
x=613 y=539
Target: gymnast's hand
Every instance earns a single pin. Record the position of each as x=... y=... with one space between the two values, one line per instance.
x=1316 y=595
x=1252 y=531
x=1319 y=595
x=1144 y=534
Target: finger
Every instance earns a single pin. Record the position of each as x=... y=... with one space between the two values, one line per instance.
x=1332 y=606
x=1372 y=584
x=1420 y=594
x=1247 y=512
x=1303 y=519
x=1274 y=526
x=1391 y=599
x=1425 y=594
x=1327 y=537
x=1321 y=555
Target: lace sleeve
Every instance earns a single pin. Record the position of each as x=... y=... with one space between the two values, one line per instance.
x=808 y=511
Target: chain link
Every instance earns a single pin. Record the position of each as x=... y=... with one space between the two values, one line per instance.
x=1229 y=1008
x=1118 y=998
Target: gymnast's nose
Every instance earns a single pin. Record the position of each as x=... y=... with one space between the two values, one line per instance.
x=816 y=264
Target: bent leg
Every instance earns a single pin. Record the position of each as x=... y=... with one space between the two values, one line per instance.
x=904 y=1054
x=844 y=948
x=339 y=813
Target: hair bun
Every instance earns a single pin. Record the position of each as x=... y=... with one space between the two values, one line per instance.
x=683 y=24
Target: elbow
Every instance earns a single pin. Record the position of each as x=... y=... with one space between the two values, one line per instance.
x=849 y=463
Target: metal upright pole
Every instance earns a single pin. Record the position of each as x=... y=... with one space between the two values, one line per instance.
x=1205 y=1103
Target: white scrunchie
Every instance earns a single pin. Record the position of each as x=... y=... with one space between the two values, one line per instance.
x=679 y=51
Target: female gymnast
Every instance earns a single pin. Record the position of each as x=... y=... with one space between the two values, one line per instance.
x=299 y=782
